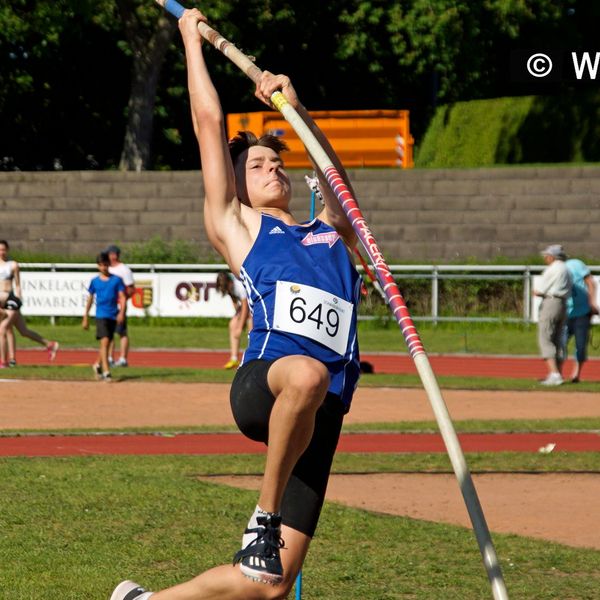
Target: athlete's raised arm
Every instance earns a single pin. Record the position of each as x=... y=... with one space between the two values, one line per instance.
x=333 y=213
x=222 y=209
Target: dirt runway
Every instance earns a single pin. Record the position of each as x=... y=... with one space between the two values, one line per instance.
x=557 y=507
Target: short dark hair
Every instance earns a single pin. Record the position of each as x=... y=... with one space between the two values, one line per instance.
x=245 y=139
x=102 y=259
x=5 y=243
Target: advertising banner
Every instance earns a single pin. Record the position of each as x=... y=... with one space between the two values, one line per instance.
x=192 y=295
x=156 y=294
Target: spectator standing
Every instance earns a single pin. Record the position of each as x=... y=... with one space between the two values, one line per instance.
x=10 y=303
x=109 y=292
x=230 y=286
x=580 y=308
x=124 y=272
x=554 y=287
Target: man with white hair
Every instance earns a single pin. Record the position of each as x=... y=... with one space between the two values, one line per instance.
x=554 y=287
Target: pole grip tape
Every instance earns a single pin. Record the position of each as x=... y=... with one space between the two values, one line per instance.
x=173 y=7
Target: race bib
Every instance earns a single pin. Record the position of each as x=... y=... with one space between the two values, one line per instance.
x=313 y=313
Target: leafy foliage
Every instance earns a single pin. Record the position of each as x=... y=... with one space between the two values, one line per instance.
x=66 y=68
x=158 y=251
x=57 y=60
x=475 y=133
x=524 y=129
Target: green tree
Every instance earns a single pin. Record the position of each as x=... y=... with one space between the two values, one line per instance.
x=148 y=36
x=79 y=81
x=65 y=71
x=461 y=45
x=52 y=110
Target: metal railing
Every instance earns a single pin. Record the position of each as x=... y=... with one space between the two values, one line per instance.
x=434 y=273
x=438 y=273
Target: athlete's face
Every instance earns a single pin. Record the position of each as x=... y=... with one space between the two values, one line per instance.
x=3 y=252
x=261 y=178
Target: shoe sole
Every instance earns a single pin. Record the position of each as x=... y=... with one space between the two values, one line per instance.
x=261 y=576
x=124 y=588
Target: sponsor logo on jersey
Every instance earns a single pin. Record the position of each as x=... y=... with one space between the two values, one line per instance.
x=329 y=238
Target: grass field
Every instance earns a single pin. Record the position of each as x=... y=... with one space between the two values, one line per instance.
x=476 y=338
x=71 y=528
x=188 y=375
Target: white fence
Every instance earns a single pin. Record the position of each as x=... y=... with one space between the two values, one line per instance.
x=189 y=290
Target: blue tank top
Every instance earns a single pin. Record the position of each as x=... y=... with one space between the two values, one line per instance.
x=303 y=291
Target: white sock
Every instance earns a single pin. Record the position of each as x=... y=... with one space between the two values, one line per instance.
x=250 y=537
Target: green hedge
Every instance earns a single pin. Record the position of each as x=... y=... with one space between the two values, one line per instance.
x=526 y=129
x=152 y=251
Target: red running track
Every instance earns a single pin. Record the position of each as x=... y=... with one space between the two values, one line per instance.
x=233 y=443
x=482 y=366
x=450 y=364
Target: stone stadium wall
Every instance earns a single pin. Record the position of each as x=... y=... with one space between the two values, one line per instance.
x=421 y=215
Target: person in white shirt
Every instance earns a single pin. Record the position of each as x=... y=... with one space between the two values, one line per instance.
x=230 y=286
x=124 y=272
x=554 y=287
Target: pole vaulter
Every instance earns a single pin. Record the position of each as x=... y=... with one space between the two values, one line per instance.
x=392 y=293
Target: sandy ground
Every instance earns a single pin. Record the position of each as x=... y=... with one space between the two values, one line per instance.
x=555 y=507
x=59 y=405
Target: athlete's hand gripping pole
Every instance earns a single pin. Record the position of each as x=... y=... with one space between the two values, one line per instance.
x=395 y=299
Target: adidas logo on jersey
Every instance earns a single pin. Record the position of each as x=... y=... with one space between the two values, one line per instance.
x=276 y=229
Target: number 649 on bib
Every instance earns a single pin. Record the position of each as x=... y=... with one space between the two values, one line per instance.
x=313 y=313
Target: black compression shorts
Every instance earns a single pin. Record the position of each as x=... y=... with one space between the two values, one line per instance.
x=13 y=302
x=251 y=403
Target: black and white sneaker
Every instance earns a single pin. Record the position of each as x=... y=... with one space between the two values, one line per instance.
x=128 y=590
x=260 y=559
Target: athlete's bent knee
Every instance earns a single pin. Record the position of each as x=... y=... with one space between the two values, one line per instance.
x=310 y=378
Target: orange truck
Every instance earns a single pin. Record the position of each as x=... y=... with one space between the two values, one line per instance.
x=361 y=138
